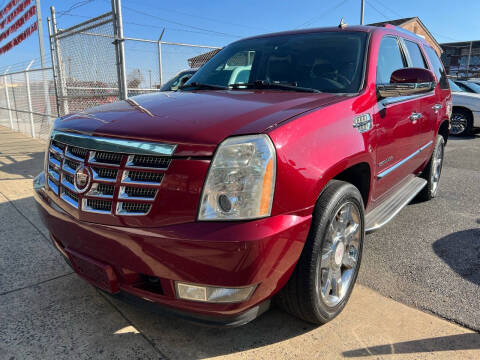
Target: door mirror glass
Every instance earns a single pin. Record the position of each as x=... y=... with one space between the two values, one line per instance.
x=407 y=81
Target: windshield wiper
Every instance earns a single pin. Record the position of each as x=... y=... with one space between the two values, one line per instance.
x=203 y=86
x=262 y=84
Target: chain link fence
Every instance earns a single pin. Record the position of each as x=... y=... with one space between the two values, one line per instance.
x=28 y=101
x=92 y=64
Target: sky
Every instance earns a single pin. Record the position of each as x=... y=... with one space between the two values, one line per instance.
x=217 y=23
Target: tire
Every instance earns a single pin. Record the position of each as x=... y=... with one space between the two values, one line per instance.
x=303 y=296
x=433 y=171
x=461 y=122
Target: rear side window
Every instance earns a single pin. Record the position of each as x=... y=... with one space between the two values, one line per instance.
x=389 y=59
x=438 y=68
x=415 y=55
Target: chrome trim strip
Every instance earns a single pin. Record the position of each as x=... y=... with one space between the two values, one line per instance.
x=129 y=164
x=93 y=192
x=403 y=161
x=69 y=186
x=113 y=145
x=92 y=161
x=55 y=175
x=52 y=186
x=126 y=180
x=54 y=161
x=397 y=99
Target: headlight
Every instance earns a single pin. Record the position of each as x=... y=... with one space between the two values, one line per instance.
x=241 y=180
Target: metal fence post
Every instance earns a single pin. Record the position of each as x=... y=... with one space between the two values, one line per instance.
x=120 y=48
x=54 y=68
x=61 y=79
x=7 y=97
x=29 y=98
x=160 y=57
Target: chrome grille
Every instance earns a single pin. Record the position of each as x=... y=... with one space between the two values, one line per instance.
x=122 y=183
x=145 y=161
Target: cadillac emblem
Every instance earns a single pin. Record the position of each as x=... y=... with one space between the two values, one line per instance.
x=82 y=179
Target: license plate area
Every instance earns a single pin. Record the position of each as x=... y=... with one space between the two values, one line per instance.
x=98 y=273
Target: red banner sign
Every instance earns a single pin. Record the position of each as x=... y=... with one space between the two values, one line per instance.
x=17 y=11
x=19 y=23
x=22 y=36
x=8 y=7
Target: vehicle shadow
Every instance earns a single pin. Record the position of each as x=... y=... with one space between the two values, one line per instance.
x=28 y=168
x=461 y=251
x=469 y=341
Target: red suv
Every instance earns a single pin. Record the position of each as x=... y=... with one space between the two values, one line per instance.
x=257 y=180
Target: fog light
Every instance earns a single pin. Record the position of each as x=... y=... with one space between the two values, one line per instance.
x=213 y=294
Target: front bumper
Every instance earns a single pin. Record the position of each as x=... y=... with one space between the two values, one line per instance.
x=228 y=254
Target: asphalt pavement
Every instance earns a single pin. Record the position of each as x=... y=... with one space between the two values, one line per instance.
x=428 y=256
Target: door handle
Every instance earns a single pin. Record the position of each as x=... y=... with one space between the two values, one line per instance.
x=415 y=116
x=437 y=107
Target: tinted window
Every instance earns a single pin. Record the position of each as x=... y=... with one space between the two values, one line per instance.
x=389 y=59
x=438 y=68
x=415 y=55
x=325 y=61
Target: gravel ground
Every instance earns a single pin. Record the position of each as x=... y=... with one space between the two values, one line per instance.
x=429 y=255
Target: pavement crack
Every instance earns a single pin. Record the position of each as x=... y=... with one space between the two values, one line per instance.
x=36 y=284
x=162 y=355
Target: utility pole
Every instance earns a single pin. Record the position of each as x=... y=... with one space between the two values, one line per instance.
x=362 y=11
x=468 y=60
x=150 y=75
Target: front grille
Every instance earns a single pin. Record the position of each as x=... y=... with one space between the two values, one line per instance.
x=122 y=183
x=107 y=158
x=137 y=192
x=143 y=177
x=134 y=208
x=106 y=173
x=145 y=161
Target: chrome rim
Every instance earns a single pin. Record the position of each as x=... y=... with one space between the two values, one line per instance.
x=437 y=168
x=458 y=124
x=340 y=255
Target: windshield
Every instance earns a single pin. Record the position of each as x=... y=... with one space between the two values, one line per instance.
x=454 y=87
x=325 y=61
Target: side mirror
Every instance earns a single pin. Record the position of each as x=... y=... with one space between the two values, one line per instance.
x=407 y=81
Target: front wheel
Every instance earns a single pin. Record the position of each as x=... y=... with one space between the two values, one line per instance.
x=433 y=170
x=324 y=277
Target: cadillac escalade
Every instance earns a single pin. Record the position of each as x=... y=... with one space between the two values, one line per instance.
x=256 y=181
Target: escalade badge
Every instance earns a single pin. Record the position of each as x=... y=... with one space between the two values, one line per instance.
x=81 y=179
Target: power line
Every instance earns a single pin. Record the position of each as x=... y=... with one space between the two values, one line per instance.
x=73 y=7
x=318 y=17
x=374 y=8
x=209 y=18
x=179 y=23
x=387 y=8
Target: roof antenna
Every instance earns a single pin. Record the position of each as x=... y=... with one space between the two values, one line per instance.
x=342 y=24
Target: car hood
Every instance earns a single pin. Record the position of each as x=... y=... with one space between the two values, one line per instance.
x=195 y=120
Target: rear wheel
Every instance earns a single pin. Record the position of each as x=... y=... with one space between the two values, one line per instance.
x=461 y=122
x=328 y=267
x=433 y=171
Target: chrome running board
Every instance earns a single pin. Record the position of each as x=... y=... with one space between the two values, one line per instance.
x=387 y=210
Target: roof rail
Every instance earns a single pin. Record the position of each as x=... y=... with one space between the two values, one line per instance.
x=398 y=28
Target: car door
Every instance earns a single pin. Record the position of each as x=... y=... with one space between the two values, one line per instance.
x=395 y=129
x=427 y=106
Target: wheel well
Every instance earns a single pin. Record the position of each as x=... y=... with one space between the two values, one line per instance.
x=463 y=108
x=359 y=176
x=444 y=131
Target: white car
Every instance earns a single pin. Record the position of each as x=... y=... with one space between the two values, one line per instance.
x=466 y=111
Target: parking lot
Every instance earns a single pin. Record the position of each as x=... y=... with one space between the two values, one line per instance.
x=417 y=295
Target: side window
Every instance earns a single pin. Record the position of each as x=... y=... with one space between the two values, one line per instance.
x=438 y=68
x=415 y=54
x=389 y=59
